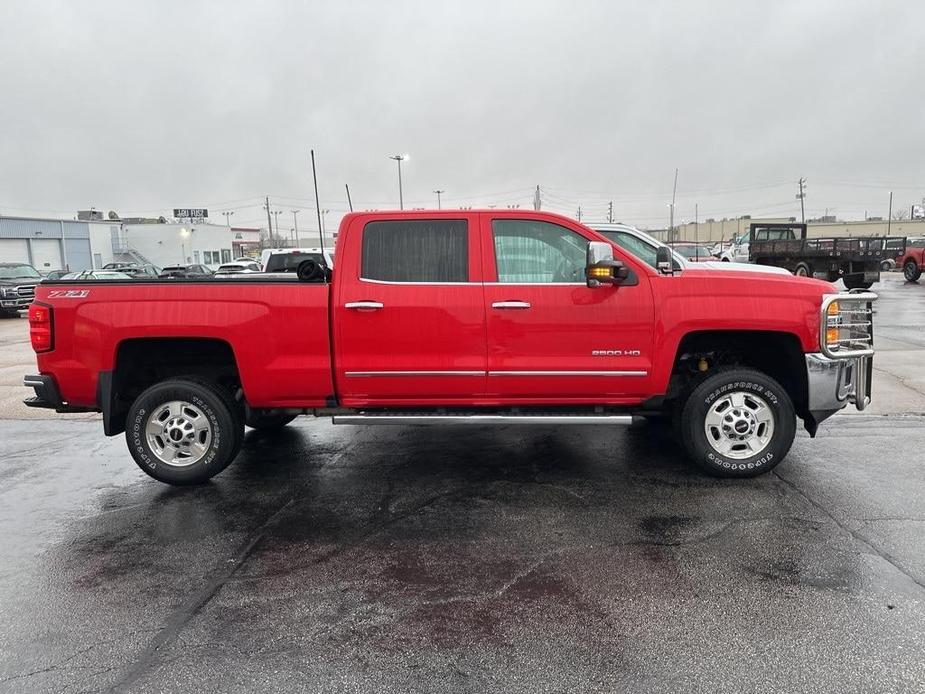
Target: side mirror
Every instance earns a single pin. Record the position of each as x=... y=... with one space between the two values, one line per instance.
x=664 y=263
x=601 y=268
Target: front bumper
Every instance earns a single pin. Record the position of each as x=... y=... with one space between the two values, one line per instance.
x=833 y=384
x=18 y=303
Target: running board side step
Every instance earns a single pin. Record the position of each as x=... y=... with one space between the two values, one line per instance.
x=624 y=420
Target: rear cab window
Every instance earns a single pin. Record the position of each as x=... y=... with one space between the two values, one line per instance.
x=416 y=251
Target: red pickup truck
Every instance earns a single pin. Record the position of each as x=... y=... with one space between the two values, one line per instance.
x=913 y=260
x=455 y=317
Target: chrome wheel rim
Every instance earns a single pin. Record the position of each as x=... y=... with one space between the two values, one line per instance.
x=739 y=425
x=178 y=433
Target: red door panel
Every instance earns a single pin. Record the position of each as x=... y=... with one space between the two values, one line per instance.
x=409 y=342
x=563 y=342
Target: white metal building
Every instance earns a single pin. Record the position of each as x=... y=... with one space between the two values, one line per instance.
x=55 y=244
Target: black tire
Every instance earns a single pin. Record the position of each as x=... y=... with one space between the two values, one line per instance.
x=886 y=265
x=225 y=431
x=267 y=422
x=756 y=389
x=855 y=283
x=911 y=271
x=803 y=270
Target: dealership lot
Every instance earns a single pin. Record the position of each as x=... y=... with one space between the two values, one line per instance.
x=512 y=559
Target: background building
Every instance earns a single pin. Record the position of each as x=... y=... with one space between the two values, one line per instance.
x=56 y=244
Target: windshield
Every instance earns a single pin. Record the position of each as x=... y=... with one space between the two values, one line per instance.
x=289 y=262
x=19 y=272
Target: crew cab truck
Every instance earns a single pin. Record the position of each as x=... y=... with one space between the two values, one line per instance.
x=455 y=318
x=856 y=260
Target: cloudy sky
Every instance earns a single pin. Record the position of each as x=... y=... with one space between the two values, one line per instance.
x=143 y=106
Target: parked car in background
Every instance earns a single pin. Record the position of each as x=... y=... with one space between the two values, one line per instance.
x=55 y=274
x=289 y=259
x=736 y=251
x=913 y=260
x=17 y=287
x=95 y=275
x=135 y=269
x=238 y=267
x=692 y=251
x=185 y=271
x=645 y=247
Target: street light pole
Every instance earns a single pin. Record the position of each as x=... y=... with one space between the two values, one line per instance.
x=296 y=223
x=400 y=158
x=228 y=218
x=439 y=193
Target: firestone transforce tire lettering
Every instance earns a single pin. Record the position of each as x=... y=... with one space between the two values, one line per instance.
x=738 y=423
x=183 y=432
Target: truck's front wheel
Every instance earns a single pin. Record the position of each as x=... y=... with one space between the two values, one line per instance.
x=183 y=432
x=738 y=423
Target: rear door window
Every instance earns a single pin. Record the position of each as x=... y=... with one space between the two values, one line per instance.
x=418 y=250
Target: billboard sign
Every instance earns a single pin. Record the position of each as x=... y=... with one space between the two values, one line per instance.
x=190 y=213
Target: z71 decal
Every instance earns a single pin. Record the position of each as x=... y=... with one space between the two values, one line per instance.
x=69 y=294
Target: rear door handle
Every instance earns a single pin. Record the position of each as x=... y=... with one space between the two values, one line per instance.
x=364 y=305
x=511 y=304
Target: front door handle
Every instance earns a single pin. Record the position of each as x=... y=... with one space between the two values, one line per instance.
x=364 y=305
x=511 y=304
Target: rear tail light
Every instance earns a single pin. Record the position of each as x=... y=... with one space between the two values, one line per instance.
x=41 y=327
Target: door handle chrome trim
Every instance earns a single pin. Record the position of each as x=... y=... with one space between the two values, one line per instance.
x=367 y=305
x=511 y=304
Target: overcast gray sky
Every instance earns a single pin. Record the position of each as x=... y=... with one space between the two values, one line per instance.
x=140 y=107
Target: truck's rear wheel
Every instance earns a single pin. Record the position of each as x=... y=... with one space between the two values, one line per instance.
x=911 y=271
x=183 y=432
x=738 y=423
x=802 y=270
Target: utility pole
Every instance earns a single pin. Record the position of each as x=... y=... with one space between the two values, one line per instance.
x=802 y=194
x=227 y=218
x=610 y=212
x=269 y=223
x=579 y=213
x=537 y=201
x=674 y=192
x=439 y=193
x=400 y=158
x=276 y=214
x=324 y=213
x=295 y=221
x=889 y=214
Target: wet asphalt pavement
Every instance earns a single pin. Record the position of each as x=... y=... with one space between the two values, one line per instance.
x=343 y=559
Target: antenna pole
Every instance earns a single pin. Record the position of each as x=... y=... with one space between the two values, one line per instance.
x=317 y=203
x=349 y=202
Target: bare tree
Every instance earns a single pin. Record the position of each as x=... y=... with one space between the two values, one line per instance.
x=901 y=214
